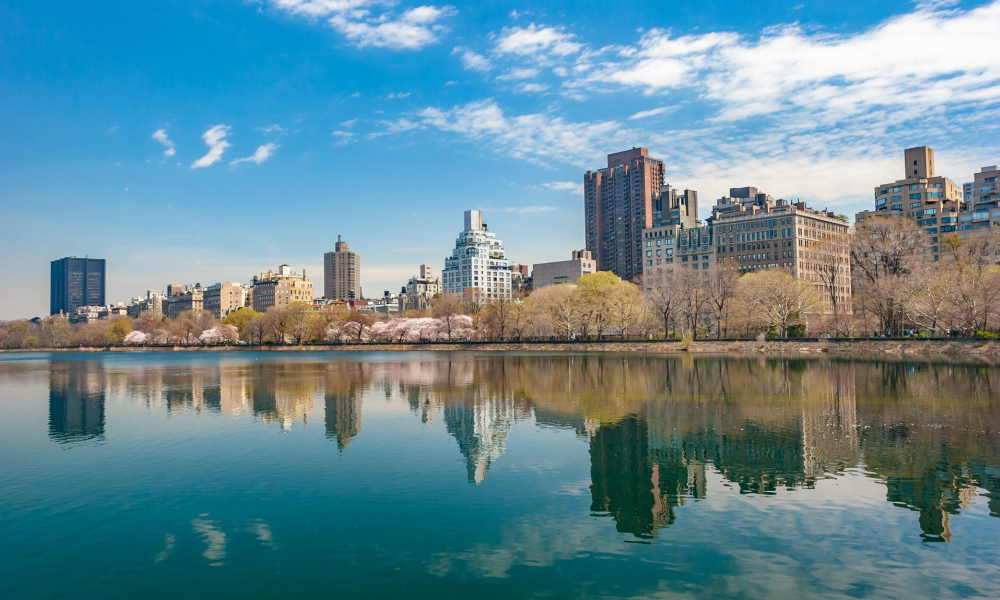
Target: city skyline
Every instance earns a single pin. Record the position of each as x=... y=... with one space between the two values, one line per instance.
x=132 y=144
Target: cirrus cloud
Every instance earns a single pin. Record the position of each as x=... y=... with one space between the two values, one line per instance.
x=160 y=135
x=215 y=139
x=263 y=153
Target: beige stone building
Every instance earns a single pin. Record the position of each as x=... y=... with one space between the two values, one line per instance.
x=813 y=245
x=565 y=271
x=153 y=302
x=184 y=298
x=419 y=290
x=932 y=202
x=280 y=289
x=749 y=231
x=224 y=298
x=342 y=273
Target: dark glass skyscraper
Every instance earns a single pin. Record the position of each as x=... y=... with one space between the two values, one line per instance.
x=76 y=282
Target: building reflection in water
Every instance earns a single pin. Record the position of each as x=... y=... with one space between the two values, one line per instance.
x=657 y=428
x=76 y=402
x=343 y=387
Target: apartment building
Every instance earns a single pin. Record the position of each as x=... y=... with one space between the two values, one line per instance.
x=619 y=205
x=183 y=298
x=673 y=245
x=342 y=273
x=932 y=202
x=749 y=231
x=279 y=289
x=982 y=202
x=478 y=263
x=220 y=299
x=153 y=302
x=813 y=245
x=565 y=271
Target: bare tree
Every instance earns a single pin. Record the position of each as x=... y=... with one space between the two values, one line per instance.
x=663 y=291
x=298 y=319
x=594 y=296
x=694 y=299
x=447 y=307
x=496 y=316
x=780 y=298
x=928 y=295
x=254 y=329
x=721 y=290
x=625 y=307
x=883 y=254
x=975 y=292
x=557 y=307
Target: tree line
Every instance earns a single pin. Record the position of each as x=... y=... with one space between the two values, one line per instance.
x=898 y=289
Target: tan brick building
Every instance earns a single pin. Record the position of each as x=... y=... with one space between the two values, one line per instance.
x=342 y=273
x=224 y=298
x=183 y=299
x=280 y=289
x=749 y=231
x=811 y=244
x=932 y=202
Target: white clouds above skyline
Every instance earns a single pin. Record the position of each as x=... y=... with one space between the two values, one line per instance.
x=536 y=41
x=262 y=153
x=160 y=135
x=215 y=139
x=565 y=186
x=365 y=23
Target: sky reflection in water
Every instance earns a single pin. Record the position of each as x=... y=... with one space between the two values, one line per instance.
x=432 y=475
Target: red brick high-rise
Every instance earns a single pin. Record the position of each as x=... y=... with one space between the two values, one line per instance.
x=619 y=204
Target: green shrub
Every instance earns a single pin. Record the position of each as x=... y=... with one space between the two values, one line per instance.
x=797 y=331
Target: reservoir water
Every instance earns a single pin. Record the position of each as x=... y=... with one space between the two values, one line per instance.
x=436 y=475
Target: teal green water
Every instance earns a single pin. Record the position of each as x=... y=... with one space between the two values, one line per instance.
x=424 y=475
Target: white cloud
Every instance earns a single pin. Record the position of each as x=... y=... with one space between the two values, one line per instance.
x=531 y=88
x=362 y=25
x=527 y=210
x=320 y=8
x=393 y=127
x=349 y=123
x=160 y=135
x=645 y=114
x=522 y=73
x=398 y=96
x=535 y=137
x=472 y=60
x=263 y=153
x=344 y=137
x=215 y=139
x=565 y=186
x=534 y=41
x=413 y=30
x=273 y=129
x=914 y=62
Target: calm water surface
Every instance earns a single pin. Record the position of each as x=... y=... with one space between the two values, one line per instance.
x=166 y=475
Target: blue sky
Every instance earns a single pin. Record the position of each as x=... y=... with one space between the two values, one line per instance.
x=202 y=141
